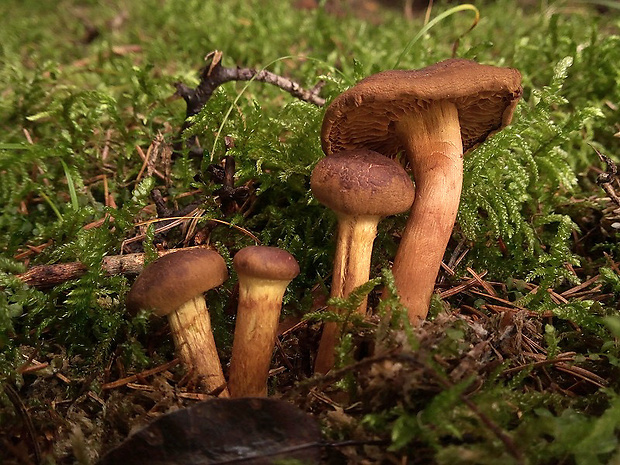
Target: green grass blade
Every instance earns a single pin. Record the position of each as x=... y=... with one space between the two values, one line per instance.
x=430 y=24
x=15 y=146
x=52 y=206
x=71 y=185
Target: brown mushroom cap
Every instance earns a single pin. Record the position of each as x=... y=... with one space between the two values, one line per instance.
x=364 y=115
x=266 y=263
x=362 y=182
x=170 y=281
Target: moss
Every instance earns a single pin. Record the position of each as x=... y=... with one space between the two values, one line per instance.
x=87 y=86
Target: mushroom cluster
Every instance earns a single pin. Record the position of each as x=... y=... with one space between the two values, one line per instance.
x=432 y=116
x=173 y=286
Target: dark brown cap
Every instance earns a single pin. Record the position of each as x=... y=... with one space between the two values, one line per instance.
x=362 y=182
x=364 y=115
x=266 y=263
x=170 y=281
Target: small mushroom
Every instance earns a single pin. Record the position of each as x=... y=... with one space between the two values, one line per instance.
x=264 y=273
x=433 y=115
x=361 y=187
x=173 y=285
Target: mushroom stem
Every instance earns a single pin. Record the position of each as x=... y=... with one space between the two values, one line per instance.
x=264 y=273
x=432 y=140
x=191 y=330
x=356 y=235
x=256 y=329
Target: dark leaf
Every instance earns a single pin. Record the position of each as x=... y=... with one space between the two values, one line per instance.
x=248 y=430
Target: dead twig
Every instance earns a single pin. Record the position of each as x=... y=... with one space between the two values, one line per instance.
x=564 y=363
x=485 y=285
x=607 y=178
x=461 y=287
x=574 y=290
x=45 y=276
x=15 y=399
x=214 y=74
x=130 y=379
x=504 y=437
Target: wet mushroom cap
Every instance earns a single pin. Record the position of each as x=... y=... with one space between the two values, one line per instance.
x=362 y=182
x=170 y=281
x=264 y=262
x=364 y=116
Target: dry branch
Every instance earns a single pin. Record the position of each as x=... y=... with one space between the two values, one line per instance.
x=608 y=178
x=214 y=74
x=45 y=276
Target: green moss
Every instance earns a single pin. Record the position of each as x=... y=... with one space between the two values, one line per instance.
x=73 y=111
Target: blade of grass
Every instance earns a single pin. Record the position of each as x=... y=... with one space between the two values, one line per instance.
x=430 y=24
x=52 y=206
x=606 y=3
x=14 y=146
x=71 y=185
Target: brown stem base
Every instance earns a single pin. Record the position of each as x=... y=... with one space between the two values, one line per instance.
x=434 y=149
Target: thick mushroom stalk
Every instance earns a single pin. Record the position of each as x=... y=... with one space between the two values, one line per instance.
x=264 y=273
x=173 y=285
x=432 y=142
x=433 y=115
x=361 y=187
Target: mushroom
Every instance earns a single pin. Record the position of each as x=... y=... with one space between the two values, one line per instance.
x=361 y=186
x=264 y=272
x=433 y=115
x=173 y=285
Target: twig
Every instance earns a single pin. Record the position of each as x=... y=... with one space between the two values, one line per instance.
x=214 y=74
x=486 y=286
x=132 y=378
x=357 y=442
x=488 y=422
x=45 y=276
x=540 y=363
x=418 y=359
x=21 y=408
x=606 y=179
x=32 y=368
x=146 y=162
x=498 y=299
x=461 y=287
x=576 y=371
x=574 y=290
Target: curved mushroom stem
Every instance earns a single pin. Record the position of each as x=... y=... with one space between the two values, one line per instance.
x=356 y=235
x=191 y=330
x=432 y=139
x=256 y=329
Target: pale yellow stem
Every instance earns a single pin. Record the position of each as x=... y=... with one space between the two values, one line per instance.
x=256 y=328
x=356 y=235
x=193 y=337
x=432 y=139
